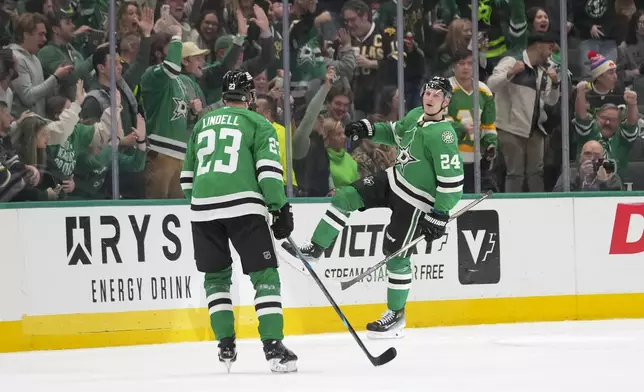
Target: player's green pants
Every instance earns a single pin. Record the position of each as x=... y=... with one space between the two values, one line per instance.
x=267 y=303
x=346 y=200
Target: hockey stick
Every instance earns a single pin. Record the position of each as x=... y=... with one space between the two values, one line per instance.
x=383 y=358
x=299 y=269
x=349 y=283
x=305 y=272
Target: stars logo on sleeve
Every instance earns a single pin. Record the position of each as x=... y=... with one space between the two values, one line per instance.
x=448 y=137
x=405 y=158
x=180 y=109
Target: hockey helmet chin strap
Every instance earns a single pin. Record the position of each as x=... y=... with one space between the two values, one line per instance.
x=443 y=106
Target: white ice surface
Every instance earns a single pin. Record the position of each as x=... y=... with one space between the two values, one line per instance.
x=545 y=357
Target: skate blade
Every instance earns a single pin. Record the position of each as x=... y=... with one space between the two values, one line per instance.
x=228 y=363
x=286 y=367
x=288 y=250
x=393 y=334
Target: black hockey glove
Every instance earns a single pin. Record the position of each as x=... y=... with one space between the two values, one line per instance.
x=282 y=222
x=432 y=225
x=362 y=129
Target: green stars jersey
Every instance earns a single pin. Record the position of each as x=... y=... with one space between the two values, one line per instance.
x=460 y=111
x=504 y=22
x=617 y=148
x=232 y=166
x=307 y=62
x=165 y=104
x=429 y=169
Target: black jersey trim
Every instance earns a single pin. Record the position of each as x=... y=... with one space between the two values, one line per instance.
x=219 y=301
x=226 y=204
x=399 y=281
x=441 y=184
x=268 y=169
x=410 y=192
x=170 y=67
x=335 y=218
x=265 y=305
x=157 y=143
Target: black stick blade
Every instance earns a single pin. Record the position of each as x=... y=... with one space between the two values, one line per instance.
x=385 y=357
x=346 y=285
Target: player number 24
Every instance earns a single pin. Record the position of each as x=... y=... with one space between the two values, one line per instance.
x=448 y=162
x=204 y=153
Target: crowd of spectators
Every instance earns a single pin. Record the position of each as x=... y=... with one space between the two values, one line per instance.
x=55 y=100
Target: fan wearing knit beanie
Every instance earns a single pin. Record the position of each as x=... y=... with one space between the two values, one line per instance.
x=599 y=65
x=603 y=86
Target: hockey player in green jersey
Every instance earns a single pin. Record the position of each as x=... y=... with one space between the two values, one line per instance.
x=421 y=188
x=231 y=174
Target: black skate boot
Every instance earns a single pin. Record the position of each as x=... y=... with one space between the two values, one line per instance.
x=227 y=352
x=310 y=251
x=390 y=325
x=280 y=358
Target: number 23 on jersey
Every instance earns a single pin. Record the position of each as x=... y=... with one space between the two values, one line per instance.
x=209 y=140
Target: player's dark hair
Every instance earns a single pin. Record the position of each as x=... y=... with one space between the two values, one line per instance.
x=359 y=7
x=271 y=105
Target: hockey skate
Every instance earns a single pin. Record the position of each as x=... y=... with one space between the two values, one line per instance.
x=280 y=358
x=390 y=326
x=310 y=251
x=227 y=352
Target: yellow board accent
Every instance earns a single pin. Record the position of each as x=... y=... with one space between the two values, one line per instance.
x=189 y=325
x=11 y=336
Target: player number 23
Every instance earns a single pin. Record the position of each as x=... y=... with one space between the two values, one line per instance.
x=450 y=162
x=204 y=153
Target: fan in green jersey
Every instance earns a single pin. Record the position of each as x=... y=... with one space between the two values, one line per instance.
x=460 y=112
x=231 y=173
x=617 y=137
x=421 y=188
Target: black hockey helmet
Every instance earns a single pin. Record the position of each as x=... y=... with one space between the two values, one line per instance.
x=438 y=83
x=238 y=86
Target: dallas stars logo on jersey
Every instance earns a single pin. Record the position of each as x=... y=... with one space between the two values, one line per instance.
x=405 y=158
x=180 y=109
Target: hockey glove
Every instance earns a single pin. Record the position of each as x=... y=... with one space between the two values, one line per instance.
x=432 y=225
x=362 y=129
x=282 y=222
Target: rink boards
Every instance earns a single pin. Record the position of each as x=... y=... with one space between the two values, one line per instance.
x=94 y=276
